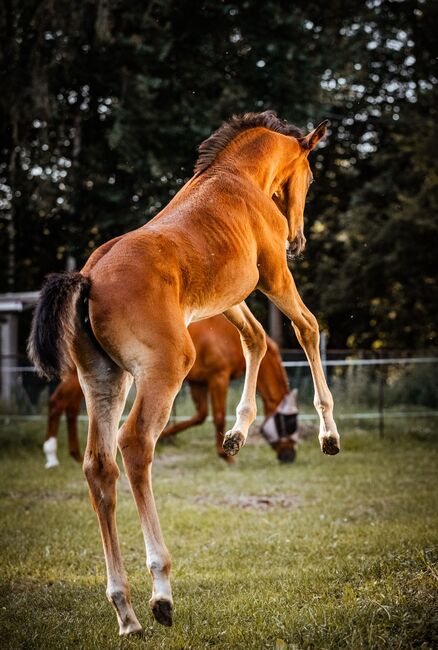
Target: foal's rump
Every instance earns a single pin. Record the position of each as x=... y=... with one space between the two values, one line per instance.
x=61 y=307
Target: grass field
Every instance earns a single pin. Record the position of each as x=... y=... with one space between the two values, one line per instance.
x=331 y=552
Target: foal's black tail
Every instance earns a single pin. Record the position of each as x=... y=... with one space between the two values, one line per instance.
x=54 y=321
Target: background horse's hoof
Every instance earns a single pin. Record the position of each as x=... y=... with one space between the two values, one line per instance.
x=230 y=460
x=52 y=463
x=162 y=610
x=233 y=442
x=330 y=446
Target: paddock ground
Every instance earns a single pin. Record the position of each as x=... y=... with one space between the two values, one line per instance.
x=331 y=552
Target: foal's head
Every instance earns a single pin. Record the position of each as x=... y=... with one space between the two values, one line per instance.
x=283 y=161
x=293 y=185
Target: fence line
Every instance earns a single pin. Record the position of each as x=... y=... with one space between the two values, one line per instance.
x=372 y=415
x=380 y=414
x=364 y=362
x=302 y=364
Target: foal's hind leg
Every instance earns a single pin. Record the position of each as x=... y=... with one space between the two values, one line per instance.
x=105 y=387
x=165 y=368
x=253 y=341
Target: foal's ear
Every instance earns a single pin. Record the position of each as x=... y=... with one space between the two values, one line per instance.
x=312 y=139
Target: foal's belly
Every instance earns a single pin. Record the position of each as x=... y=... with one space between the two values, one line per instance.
x=219 y=298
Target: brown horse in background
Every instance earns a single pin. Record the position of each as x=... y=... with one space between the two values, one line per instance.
x=66 y=398
x=125 y=316
x=219 y=359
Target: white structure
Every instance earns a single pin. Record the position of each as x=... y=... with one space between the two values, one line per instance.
x=11 y=304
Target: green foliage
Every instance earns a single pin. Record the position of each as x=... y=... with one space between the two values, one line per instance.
x=104 y=103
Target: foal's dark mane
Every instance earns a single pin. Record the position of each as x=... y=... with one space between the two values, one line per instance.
x=213 y=145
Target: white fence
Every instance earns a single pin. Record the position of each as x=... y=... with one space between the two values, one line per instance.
x=337 y=370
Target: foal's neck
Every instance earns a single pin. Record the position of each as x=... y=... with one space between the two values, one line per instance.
x=264 y=156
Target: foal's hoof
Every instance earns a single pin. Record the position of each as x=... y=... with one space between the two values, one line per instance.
x=233 y=441
x=330 y=445
x=130 y=628
x=162 y=610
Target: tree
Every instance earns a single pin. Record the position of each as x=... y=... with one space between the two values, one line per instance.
x=106 y=102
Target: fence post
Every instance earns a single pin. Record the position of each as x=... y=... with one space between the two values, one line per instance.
x=381 y=402
x=275 y=324
x=9 y=355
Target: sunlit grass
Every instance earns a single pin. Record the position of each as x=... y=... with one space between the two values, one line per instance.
x=327 y=553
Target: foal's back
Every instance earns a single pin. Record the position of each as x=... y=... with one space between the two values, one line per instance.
x=195 y=259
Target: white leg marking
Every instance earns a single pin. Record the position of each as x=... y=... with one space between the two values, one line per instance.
x=49 y=447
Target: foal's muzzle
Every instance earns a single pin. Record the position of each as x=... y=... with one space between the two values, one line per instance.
x=297 y=245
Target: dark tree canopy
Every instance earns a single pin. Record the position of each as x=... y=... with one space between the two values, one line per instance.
x=104 y=103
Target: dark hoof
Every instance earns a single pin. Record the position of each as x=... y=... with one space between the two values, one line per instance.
x=330 y=446
x=131 y=629
x=162 y=610
x=228 y=459
x=233 y=443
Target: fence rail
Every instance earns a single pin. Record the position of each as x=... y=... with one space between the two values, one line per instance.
x=379 y=390
x=364 y=362
x=391 y=361
x=372 y=415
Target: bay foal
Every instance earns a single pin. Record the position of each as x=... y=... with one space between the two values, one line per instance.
x=125 y=316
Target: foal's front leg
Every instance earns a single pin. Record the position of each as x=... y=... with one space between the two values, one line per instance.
x=253 y=341
x=289 y=301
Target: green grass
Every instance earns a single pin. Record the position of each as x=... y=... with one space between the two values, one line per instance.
x=331 y=552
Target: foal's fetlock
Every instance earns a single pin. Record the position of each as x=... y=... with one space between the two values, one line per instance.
x=233 y=441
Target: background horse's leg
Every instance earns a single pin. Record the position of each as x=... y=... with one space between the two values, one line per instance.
x=218 y=386
x=199 y=394
x=72 y=413
x=253 y=341
x=289 y=301
x=272 y=381
x=166 y=366
x=55 y=410
x=105 y=388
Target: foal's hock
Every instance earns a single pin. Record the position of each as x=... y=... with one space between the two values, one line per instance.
x=124 y=317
